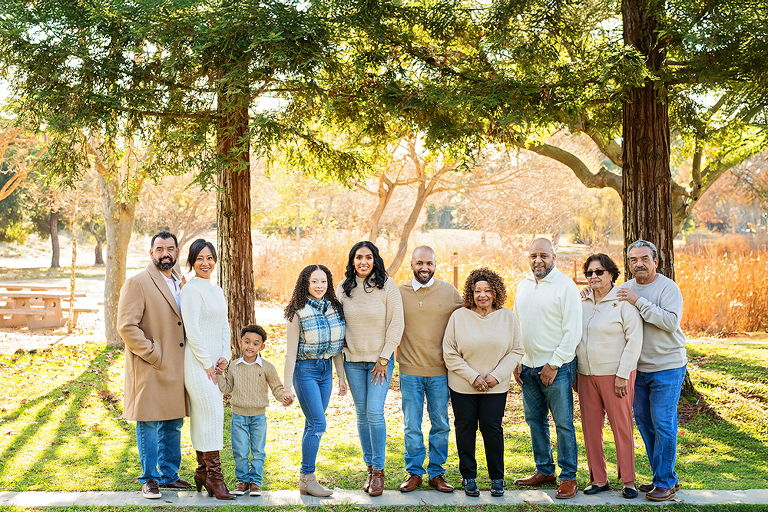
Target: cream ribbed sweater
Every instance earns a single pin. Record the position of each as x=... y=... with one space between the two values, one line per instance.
x=249 y=385
x=374 y=320
x=475 y=346
x=204 y=311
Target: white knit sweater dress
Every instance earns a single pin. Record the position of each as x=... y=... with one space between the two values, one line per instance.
x=204 y=311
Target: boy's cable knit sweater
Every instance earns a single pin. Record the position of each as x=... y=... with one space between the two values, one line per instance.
x=249 y=386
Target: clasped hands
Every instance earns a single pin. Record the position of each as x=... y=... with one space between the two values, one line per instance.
x=484 y=384
x=216 y=369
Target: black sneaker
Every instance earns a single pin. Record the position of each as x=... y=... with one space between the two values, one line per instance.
x=470 y=487
x=497 y=487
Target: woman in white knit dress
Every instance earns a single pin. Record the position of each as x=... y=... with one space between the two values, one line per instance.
x=204 y=311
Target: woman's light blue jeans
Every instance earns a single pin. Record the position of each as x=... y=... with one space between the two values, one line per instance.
x=313 y=382
x=369 y=406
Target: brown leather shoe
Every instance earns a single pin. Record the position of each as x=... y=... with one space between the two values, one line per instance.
x=536 y=479
x=242 y=488
x=367 y=483
x=567 y=489
x=410 y=483
x=440 y=484
x=660 y=494
x=178 y=484
x=151 y=490
x=649 y=487
x=377 y=483
x=255 y=490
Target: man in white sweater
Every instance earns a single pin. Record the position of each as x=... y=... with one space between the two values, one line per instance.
x=548 y=308
x=661 y=367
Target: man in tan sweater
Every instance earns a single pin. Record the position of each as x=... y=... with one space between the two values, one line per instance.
x=427 y=306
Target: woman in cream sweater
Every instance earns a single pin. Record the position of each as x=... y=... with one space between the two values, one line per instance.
x=612 y=336
x=481 y=348
x=373 y=311
x=204 y=311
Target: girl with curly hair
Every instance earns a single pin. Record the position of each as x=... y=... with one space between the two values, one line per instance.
x=315 y=335
x=373 y=309
x=481 y=348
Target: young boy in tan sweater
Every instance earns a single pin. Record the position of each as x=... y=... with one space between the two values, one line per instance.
x=248 y=380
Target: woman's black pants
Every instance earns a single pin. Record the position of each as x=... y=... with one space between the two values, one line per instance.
x=471 y=411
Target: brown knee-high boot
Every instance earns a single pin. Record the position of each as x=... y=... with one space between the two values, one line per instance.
x=214 y=480
x=200 y=471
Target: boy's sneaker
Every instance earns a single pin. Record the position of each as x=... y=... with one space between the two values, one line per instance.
x=255 y=489
x=242 y=488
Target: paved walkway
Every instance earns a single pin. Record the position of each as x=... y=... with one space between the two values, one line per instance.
x=360 y=498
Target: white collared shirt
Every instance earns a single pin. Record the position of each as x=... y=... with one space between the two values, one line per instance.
x=174 y=284
x=417 y=285
x=257 y=361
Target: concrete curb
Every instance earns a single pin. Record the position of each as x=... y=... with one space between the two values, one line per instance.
x=360 y=498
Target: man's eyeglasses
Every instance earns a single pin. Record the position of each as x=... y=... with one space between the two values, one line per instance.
x=598 y=273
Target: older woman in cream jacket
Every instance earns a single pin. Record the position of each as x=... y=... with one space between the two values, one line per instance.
x=607 y=357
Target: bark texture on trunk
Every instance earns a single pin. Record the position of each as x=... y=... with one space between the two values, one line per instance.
x=233 y=213
x=119 y=218
x=55 y=247
x=98 y=253
x=646 y=177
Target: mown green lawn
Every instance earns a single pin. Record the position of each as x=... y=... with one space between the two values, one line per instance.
x=60 y=427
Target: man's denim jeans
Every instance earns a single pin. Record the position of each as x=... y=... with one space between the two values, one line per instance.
x=655 y=406
x=369 y=406
x=557 y=398
x=249 y=433
x=413 y=390
x=159 y=444
x=313 y=382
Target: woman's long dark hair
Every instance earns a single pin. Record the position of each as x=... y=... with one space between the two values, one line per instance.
x=376 y=279
x=301 y=292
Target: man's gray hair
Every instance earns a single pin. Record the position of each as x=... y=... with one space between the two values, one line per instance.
x=643 y=243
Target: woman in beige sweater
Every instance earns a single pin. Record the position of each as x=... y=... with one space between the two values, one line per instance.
x=612 y=336
x=373 y=311
x=481 y=348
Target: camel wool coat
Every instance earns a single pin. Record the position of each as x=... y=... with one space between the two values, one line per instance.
x=150 y=324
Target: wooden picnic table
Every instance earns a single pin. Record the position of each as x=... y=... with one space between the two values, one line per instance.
x=24 y=308
x=32 y=287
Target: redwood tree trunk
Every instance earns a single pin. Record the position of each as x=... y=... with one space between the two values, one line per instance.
x=55 y=248
x=646 y=175
x=119 y=218
x=233 y=213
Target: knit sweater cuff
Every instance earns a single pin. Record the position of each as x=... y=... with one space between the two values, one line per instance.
x=248 y=411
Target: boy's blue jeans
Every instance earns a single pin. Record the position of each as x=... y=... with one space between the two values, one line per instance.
x=249 y=433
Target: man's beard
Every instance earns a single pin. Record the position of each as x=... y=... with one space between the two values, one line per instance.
x=545 y=273
x=418 y=277
x=163 y=263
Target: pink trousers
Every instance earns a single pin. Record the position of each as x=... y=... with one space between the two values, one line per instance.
x=596 y=398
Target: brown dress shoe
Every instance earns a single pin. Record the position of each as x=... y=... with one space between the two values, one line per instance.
x=410 y=483
x=242 y=488
x=440 y=484
x=649 y=487
x=178 y=484
x=567 y=489
x=660 y=494
x=536 y=479
x=377 y=483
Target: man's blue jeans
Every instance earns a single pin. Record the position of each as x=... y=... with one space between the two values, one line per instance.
x=313 y=382
x=369 y=406
x=655 y=406
x=249 y=433
x=413 y=390
x=557 y=398
x=159 y=444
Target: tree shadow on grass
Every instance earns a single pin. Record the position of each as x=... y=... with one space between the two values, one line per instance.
x=742 y=368
x=75 y=456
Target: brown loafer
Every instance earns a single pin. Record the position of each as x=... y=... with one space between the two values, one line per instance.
x=410 y=483
x=178 y=484
x=536 y=479
x=567 y=489
x=649 y=487
x=440 y=484
x=660 y=494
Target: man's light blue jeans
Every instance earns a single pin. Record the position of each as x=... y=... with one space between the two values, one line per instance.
x=413 y=390
x=369 y=406
x=249 y=433
x=557 y=398
x=159 y=444
x=655 y=406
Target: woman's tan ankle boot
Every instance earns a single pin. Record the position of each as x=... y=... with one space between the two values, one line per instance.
x=308 y=485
